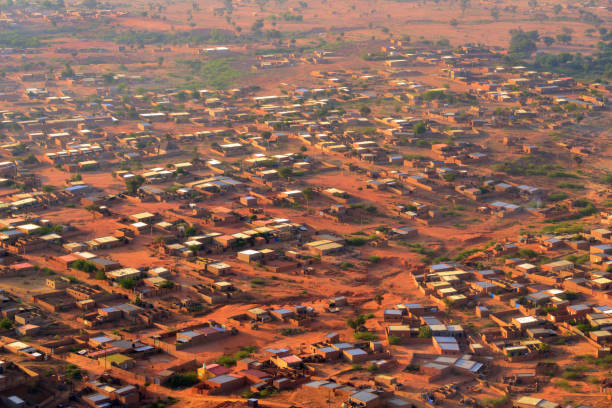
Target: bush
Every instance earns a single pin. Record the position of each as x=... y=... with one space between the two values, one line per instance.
x=73 y=372
x=128 y=283
x=366 y=336
x=425 y=332
x=496 y=402
x=83 y=265
x=356 y=241
x=230 y=360
x=556 y=196
x=6 y=323
x=290 y=331
x=393 y=340
x=182 y=380
x=528 y=253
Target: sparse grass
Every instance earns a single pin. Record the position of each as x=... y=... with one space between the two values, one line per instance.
x=564 y=385
x=496 y=402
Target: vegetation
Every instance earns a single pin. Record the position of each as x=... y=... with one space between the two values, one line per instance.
x=133 y=184
x=230 y=360
x=425 y=332
x=522 y=44
x=73 y=372
x=496 y=402
x=182 y=380
x=393 y=340
x=357 y=322
x=6 y=323
x=85 y=266
x=128 y=283
x=366 y=336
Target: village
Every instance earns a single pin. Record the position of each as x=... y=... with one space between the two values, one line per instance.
x=430 y=225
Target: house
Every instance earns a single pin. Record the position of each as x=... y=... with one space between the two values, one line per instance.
x=118 y=360
x=532 y=402
x=365 y=399
x=558 y=266
x=225 y=383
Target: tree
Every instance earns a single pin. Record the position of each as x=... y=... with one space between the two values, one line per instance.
x=522 y=44
x=257 y=25
x=378 y=298
x=393 y=340
x=6 y=323
x=91 y=4
x=419 y=128
x=73 y=372
x=261 y=4
x=128 y=283
x=365 y=110
x=564 y=38
x=352 y=323
x=133 y=183
x=548 y=41
x=67 y=72
x=465 y=4
x=308 y=193
x=557 y=9
x=425 y=332
x=495 y=13
x=285 y=172
x=454 y=22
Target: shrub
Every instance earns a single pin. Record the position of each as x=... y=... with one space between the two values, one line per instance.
x=367 y=336
x=356 y=241
x=182 y=380
x=393 y=340
x=496 y=402
x=83 y=265
x=230 y=360
x=128 y=283
x=6 y=323
x=425 y=332
x=374 y=259
x=73 y=372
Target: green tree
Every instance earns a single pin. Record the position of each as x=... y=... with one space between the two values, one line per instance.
x=6 y=323
x=548 y=40
x=522 y=43
x=285 y=172
x=495 y=13
x=419 y=128
x=133 y=183
x=425 y=332
x=564 y=38
x=128 y=283
x=308 y=193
